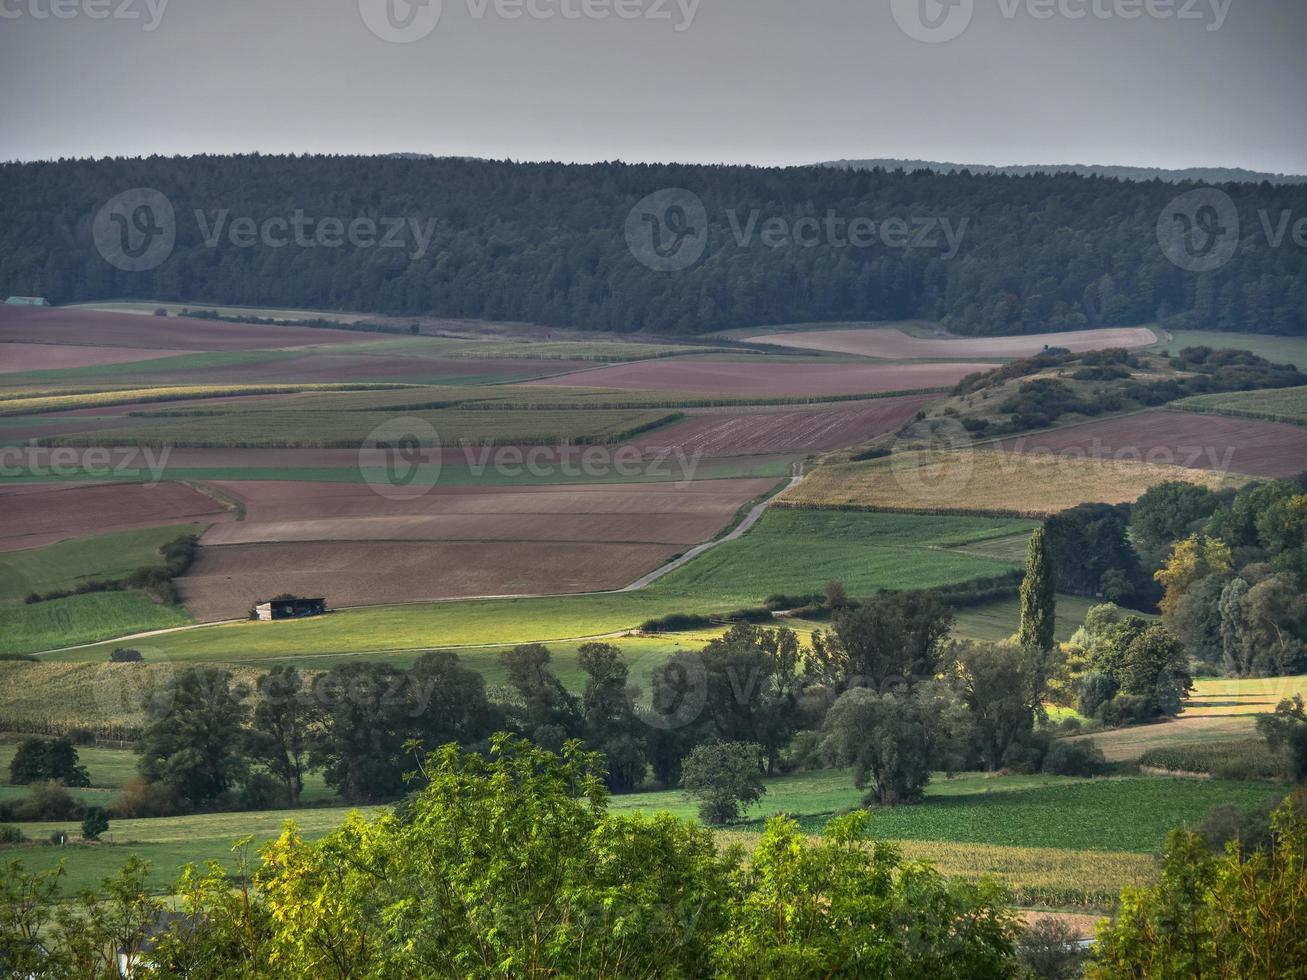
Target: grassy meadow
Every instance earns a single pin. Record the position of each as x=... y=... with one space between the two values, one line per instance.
x=81 y=619
x=64 y=566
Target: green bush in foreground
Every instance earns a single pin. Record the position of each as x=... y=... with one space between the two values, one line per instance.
x=1232 y=916
x=510 y=865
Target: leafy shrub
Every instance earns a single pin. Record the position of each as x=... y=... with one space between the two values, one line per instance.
x=1125 y=709
x=10 y=834
x=125 y=655
x=139 y=797
x=673 y=622
x=867 y=454
x=47 y=801
x=1078 y=758
x=95 y=821
x=780 y=600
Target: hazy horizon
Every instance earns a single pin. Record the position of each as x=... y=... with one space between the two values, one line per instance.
x=1196 y=83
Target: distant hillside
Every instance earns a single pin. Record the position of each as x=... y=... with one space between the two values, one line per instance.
x=557 y=244
x=1201 y=175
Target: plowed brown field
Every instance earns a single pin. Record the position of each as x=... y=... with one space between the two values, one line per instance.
x=713 y=434
x=1204 y=442
x=35 y=325
x=17 y=356
x=225 y=582
x=33 y=515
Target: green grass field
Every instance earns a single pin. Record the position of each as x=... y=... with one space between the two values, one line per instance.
x=1277 y=405
x=796 y=551
x=83 y=619
x=65 y=565
x=1280 y=350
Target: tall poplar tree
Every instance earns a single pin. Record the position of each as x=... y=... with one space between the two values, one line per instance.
x=1038 y=596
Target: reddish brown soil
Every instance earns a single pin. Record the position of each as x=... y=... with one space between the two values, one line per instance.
x=33 y=515
x=778 y=378
x=225 y=582
x=1205 y=442
x=17 y=356
x=64 y=325
x=713 y=434
x=892 y=343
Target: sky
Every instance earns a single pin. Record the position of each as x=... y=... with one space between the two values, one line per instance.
x=1166 y=83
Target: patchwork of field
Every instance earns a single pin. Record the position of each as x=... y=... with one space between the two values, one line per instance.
x=892 y=343
x=1185 y=439
x=769 y=378
x=34 y=514
x=1281 y=404
x=988 y=482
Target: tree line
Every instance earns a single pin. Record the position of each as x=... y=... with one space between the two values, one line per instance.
x=545 y=243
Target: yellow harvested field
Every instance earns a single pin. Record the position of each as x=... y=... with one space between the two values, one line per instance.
x=988 y=482
x=1034 y=876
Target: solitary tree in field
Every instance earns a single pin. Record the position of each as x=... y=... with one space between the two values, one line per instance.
x=1038 y=596
x=724 y=777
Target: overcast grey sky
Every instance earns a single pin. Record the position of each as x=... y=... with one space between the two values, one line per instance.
x=1171 y=83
